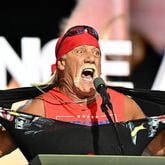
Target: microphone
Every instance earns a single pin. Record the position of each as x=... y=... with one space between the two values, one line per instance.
x=102 y=89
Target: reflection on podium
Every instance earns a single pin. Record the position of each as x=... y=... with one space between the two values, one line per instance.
x=96 y=160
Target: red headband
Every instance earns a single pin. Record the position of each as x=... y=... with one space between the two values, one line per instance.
x=71 y=42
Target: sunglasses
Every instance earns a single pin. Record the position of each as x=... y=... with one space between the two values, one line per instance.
x=76 y=30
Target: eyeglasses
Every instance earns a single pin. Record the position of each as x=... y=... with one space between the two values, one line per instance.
x=76 y=30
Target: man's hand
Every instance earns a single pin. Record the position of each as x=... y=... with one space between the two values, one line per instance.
x=157 y=145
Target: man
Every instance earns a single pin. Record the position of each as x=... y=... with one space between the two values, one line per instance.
x=74 y=98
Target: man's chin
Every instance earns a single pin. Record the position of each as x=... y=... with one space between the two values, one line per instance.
x=85 y=86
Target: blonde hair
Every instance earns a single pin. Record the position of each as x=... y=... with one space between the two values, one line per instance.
x=54 y=78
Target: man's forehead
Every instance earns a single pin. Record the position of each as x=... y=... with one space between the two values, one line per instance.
x=86 y=47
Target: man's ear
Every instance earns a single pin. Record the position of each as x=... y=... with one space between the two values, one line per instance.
x=61 y=64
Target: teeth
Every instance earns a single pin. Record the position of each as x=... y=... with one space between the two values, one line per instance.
x=88 y=66
x=88 y=69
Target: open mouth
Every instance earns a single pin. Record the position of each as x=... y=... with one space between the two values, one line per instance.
x=87 y=74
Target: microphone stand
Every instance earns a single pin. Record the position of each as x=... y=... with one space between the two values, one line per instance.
x=106 y=103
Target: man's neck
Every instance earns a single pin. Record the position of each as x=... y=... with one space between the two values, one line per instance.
x=84 y=99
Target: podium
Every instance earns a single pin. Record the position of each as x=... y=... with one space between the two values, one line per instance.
x=53 y=159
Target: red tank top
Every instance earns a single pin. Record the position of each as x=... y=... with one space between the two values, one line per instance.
x=60 y=107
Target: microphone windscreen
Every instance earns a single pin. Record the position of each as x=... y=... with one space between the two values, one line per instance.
x=97 y=82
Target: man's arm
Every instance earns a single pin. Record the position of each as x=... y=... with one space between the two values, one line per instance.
x=157 y=145
x=7 y=145
x=35 y=106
